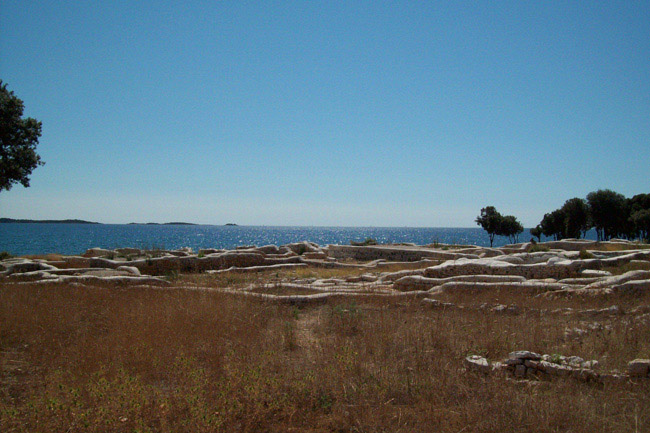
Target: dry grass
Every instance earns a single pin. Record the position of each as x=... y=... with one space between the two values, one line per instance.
x=51 y=257
x=74 y=359
x=243 y=279
x=608 y=246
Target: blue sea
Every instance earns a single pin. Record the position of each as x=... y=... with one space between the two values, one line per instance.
x=36 y=238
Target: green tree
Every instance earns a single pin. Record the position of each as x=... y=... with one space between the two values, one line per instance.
x=641 y=221
x=510 y=227
x=639 y=202
x=490 y=220
x=609 y=213
x=576 y=217
x=537 y=232
x=18 y=141
x=553 y=225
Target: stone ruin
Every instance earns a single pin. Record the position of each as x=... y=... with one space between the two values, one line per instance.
x=523 y=364
x=564 y=268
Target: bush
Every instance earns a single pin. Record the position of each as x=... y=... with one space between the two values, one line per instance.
x=536 y=248
x=368 y=241
x=584 y=254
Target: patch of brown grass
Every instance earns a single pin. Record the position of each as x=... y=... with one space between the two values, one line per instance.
x=74 y=359
x=609 y=246
x=627 y=267
x=49 y=257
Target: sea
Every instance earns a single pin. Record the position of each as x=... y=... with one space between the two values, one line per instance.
x=70 y=239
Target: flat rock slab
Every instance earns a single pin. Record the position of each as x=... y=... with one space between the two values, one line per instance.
x=639 y=368
x=391 y=253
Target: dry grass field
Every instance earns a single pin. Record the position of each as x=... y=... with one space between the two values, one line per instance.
x=169 y=360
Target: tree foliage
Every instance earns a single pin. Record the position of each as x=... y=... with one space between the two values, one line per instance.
x=496 y=224
x=552 y=225
x=489 y=219
x=510 y=227
x=18 y=140
x=537 y=232
x=608 y=210
x=576 y=218
x=610 y=213
x=641 y=221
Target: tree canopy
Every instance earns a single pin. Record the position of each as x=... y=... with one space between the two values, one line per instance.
x=18 y=140
x=608 y=210
x=610 y=213
x=489 y=219
x=496 y=224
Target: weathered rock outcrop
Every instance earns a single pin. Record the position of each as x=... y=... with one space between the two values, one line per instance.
x=523 y=364
x=419 y=282
x=391 y=253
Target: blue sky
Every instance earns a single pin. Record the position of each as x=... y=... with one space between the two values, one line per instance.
x=327 y=113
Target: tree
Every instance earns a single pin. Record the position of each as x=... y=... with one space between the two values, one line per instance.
x=537 y=232
x=553 y=224
x=638 y=222
x=641 y=220
x=639 y=202
x=609 y=213
x=18 y=141
x=576 y=217
x=490 y=220
x=510 y=227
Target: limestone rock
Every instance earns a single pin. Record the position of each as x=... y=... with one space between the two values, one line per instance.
x=25 y=265
x=130 y=269
x=97 y=252
x=524 y=354
x=520 y=370
x=639 y=367
x=591 y=273
x=478 y=363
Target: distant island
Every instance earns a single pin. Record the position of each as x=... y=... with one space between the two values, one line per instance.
x=164 y=224
x=230 y=224
x=27 y=221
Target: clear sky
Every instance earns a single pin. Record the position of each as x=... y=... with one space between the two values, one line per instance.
x=327 y=113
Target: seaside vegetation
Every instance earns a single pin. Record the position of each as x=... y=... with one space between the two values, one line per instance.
x=611 y=214
x=18 y=140
x=496 y=224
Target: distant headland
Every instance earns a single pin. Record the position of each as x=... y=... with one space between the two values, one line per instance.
x=28 y=221
x=78 y=221
x=176 y=223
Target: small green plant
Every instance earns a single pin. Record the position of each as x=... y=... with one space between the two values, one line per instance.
x=5 y=255
x=537 y=248
x=201 y=254
x=476 y=350
x=324 y=402
x=584 y=254
x=366 y=242
x=556 y=358
x=172 y=275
